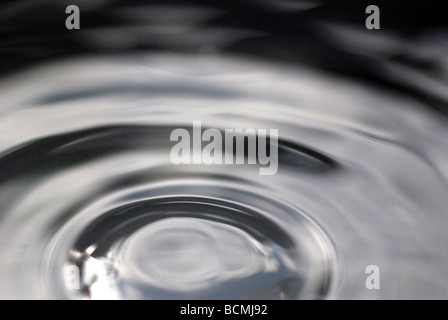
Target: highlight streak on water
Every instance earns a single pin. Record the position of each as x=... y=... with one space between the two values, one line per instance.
x=85 y=179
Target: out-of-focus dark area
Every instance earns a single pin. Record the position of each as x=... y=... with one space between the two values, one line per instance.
x=325 y=34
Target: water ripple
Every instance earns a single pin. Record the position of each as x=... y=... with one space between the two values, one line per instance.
x=86 y=180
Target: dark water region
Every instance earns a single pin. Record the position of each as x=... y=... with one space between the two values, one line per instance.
x=86 y=178
x=326 y=34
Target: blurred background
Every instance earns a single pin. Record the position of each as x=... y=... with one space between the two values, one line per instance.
x=329 y=35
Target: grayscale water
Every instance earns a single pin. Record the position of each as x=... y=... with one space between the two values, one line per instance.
x=86 y=180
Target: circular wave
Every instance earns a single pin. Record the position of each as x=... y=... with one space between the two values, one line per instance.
x=86 y=180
